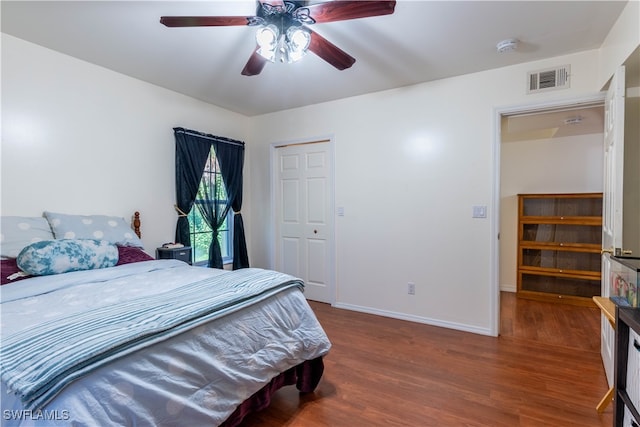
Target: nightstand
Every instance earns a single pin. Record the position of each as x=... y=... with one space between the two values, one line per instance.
x=182 y=254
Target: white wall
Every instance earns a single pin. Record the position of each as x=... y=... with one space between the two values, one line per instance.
x=78 y=138
x=621 y=41
x=631 y=187
x=410 y=164
x=558 y=165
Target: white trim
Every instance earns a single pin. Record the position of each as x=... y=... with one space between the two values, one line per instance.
x=581 y=102
x=417 y=319
x=494 y=231
x=332 y=204
x=596 y=99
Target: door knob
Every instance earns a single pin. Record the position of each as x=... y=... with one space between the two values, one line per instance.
x=607 y=251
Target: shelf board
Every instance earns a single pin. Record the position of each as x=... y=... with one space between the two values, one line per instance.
x=569 y=247
x=565 y=273
x=557 y=298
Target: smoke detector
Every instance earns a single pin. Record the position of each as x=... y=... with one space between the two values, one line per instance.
x=507 y=45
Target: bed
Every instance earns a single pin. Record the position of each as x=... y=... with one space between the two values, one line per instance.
x=119 y=338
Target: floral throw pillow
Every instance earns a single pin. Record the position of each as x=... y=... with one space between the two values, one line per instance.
x=65 y=255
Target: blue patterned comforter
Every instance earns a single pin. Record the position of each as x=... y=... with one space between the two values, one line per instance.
x=113 y=314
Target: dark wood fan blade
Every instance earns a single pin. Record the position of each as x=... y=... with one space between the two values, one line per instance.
x=330 y=52
x=343 y=10
x=254 y=65
x=203 y=21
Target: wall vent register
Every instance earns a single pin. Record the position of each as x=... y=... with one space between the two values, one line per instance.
x=549 y=79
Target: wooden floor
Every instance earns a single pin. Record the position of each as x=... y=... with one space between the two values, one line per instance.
x=544 y=370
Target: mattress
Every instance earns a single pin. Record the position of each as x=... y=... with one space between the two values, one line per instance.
x=194 y=373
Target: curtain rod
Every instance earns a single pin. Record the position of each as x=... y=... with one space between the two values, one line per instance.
x=210 y=137
x=294 y=144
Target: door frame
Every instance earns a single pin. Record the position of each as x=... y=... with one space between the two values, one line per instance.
x=498 y=113
x=273 y=155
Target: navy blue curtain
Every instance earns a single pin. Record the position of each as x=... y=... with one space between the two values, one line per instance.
x=191 y=156
x=196 y=148
x=231 y=160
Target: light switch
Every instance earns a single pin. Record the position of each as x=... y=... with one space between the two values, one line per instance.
x=479 y=212
x=340 y=211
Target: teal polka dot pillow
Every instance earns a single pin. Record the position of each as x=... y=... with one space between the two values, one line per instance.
x=113 y=229
x=16 y=232
x=65 y=255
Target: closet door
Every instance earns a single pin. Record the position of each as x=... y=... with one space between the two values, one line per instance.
x=304 y=216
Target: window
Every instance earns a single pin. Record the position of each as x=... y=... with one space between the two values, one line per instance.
x=212 y=188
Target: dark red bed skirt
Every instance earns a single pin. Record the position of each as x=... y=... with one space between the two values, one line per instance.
x=305 y=376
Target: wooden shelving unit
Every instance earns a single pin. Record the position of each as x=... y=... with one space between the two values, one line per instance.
x=559 y=243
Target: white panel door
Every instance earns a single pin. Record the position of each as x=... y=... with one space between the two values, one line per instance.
x=612 y=202
x=304 y=219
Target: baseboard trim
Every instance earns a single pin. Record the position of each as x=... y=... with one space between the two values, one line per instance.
x=418 y=319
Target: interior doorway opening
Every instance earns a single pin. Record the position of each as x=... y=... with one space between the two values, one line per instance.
x=544 y=148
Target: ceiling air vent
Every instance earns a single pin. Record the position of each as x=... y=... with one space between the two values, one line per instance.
x=549 y=79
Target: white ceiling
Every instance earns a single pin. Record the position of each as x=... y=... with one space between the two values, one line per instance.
x=421 y=41
x=556 y=123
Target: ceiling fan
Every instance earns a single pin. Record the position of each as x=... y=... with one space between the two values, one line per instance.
x=283 y=33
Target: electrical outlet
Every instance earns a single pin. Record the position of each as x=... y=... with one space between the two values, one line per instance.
x=411 y=288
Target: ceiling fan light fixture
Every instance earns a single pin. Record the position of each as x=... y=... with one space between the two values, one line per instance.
x=267 y=36
x=289 y=47
x=282 y=34
x=268 y=54
x=298 y=40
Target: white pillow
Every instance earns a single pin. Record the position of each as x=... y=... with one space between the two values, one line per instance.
x=17 y=232
x=113 y=229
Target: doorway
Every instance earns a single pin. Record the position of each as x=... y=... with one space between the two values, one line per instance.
x=544 y=148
